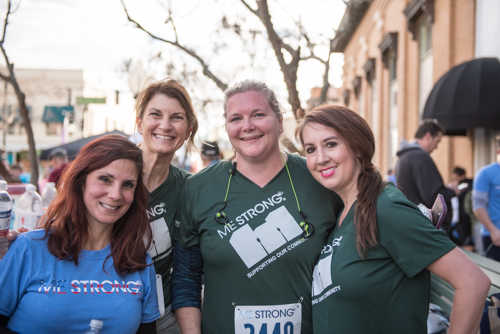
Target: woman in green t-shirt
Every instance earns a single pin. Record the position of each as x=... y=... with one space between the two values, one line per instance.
x=373 y=273
x=165 y=119
x=258 y=221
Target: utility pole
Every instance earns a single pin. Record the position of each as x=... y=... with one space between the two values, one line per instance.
x=69 y=96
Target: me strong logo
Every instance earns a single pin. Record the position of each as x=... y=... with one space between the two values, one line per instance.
x=156 y=210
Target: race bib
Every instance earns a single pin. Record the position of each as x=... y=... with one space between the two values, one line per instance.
x=159 y=291
x=270 y=319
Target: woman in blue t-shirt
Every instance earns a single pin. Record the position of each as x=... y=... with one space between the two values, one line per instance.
x=88 y=259
x=373 y=273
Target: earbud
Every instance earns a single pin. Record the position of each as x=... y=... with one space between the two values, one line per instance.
x=220 y=216
x=233 y=169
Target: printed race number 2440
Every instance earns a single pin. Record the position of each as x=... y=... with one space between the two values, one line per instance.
x=287 y=329
x=268 y=319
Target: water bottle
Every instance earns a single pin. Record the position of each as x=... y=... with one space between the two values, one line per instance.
x=5 y=215
x=28 y=209
x=13 y=216
x=95 y=327
x=49 y=193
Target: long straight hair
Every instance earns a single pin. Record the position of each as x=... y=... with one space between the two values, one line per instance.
x=358 y=136
x=66 y=225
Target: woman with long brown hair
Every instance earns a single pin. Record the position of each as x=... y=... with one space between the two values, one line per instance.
x=373 y=275
x=89 y=259
x=166 y=120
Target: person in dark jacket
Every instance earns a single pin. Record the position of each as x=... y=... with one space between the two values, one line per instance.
x=462 y=234
x=417 y=174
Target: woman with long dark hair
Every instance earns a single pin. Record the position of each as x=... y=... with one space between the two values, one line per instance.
x=88 y=260
x=373 y=275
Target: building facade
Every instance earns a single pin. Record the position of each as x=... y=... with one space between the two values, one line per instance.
x=394 y=53
x=62 y=109
x=54 y=114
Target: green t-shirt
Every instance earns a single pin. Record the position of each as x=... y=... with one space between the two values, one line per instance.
x=389 y=291
x=161 y=210
x=260 y=258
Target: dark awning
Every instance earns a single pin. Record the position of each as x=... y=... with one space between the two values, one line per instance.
x=74 y=147
x=53 y=114
x=467 y=96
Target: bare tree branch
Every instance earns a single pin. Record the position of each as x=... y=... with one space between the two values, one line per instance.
x=21 y=100
x=6 y=21
x=5 y=173
x=312 y=56
x=298 y=23
x=289 y=70
x=326 y=86
x=304 y=34
x=206 y=69
x=288 y=62
x=255 y=12
x=326 y=82
x=171 y=20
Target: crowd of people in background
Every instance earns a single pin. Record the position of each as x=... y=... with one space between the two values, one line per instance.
x=52 y=171
x=468 y=222
x=260 y=230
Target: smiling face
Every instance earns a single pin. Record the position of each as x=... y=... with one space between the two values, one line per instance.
x=163 y=126
x=109 y=192
x=252 y=126
x=330 y=160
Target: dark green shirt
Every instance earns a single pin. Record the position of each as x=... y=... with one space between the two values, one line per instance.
x=388 y=292
x=161 y=210
x=259 y=259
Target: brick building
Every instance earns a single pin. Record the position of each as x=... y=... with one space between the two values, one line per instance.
x=394 y=52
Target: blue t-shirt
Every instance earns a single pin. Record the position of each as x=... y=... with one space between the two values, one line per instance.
x=487 y=182
x=41 y=294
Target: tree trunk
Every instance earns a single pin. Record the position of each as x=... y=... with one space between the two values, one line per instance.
x=5 y=173
x=21 y=100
